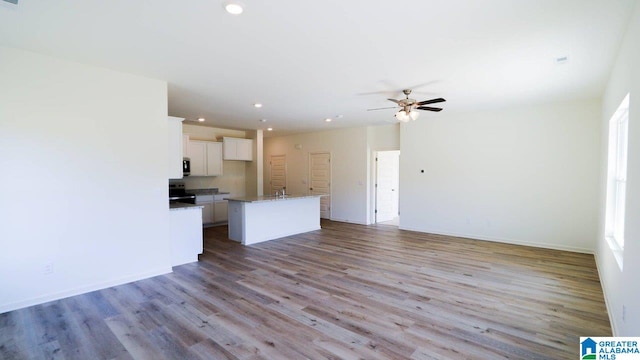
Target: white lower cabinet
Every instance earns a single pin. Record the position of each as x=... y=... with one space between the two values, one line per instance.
x=207 y=210
x=220 y=209
x=207 y=213
x=186 y=235
x=215 y=210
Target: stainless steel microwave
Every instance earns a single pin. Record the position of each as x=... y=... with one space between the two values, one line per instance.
x=186 y=166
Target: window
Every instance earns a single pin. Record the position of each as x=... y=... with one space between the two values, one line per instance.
x=617 y=179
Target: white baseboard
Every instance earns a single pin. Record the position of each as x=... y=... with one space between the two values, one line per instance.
x=349 y=221
x=607 y=303
x=506 y=241
x=81 y=290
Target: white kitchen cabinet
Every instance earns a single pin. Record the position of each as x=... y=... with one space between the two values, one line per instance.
x=185 y=142
x=185 y=235
x=197 y=153
x=214 y=159
x=206 y=158
x=207 y=210
x=215 y=209
x=238 y=149
x=220 y=209
x=175 y=147
x=207 y=213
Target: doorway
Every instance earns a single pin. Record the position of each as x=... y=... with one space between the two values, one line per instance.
x=278 y=180
x=320 y=180
x=387 y=187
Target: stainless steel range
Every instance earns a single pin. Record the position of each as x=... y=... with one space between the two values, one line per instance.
x=177 y=193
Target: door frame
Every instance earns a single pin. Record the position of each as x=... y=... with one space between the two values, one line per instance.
x=286 y=170
x=330 y=178
x=373 y=217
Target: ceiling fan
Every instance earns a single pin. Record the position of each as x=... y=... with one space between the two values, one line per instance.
x=408 y=107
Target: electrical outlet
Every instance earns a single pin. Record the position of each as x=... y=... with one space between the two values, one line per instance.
x=624 y=313
x=48 y=268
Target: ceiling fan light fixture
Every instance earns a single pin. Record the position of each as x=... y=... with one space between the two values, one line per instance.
x=402 y=116
x=414 y=115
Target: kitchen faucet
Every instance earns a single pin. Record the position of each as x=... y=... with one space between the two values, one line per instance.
x=279 y=194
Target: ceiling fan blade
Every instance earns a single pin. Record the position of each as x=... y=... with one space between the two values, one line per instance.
x=423 y=84
x=393 y=107
x=428 y=108
x=387 y=93
x=432 y=101
x=395 y=101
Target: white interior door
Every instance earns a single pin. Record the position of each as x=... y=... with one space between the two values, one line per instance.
x=387 y=180
x=278 y=179
x=320 y=180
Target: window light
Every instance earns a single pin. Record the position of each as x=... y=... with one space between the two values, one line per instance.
x=617 y=179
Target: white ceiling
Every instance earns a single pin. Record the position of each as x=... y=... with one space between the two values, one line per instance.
x=309 y=60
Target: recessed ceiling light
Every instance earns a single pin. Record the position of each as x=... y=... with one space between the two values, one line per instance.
x=234 y=8
x=201 y=119
x=263 y=120
x=269 y=129
x=258 y=105
x=327 y=119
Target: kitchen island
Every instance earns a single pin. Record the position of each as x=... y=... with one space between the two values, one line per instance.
x=254 y=219
x=185 y=225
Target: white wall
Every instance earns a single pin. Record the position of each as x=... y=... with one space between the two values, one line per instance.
x=384 y=137
x=622 y=287
x=83 y=153
x=524 y=175
x=233 y=179
x=349 y=160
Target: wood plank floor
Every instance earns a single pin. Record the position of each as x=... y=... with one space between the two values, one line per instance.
x=343 y=292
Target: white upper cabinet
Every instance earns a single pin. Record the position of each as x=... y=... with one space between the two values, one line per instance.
x=197 y=153
x=214 y=158
x=206 y=158
x=238 y=149
x=185 y=142
x=175 y=147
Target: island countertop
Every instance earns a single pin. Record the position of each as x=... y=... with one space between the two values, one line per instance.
x=265 y=198
x=183 y=206
x=210 y=191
